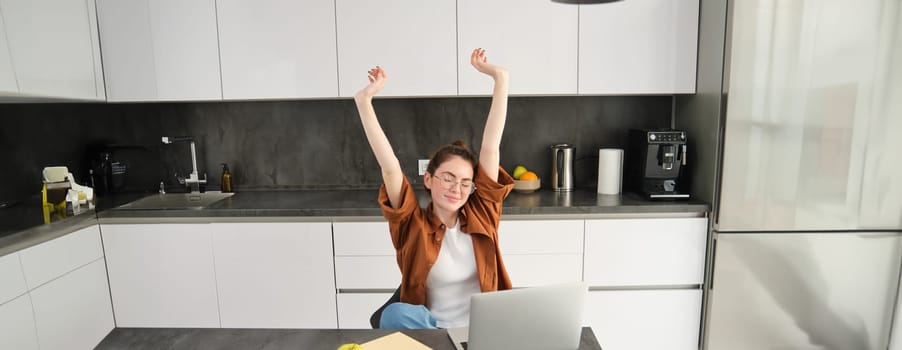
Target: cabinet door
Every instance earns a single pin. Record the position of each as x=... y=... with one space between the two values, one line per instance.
x=645 y=252
x=539 y=252
x=364 y=256
x=536 y=40
x=60 y=256
x=275 y=275
x=74 y=312
x=638 y=47
x=160 y=50
x=161 y=275
x=17 y=325
x=51 y=43
x=277 y=49
x=355 y=309
x=12 y=281
x=413 y=40
x=645 y=319
x=8 y=82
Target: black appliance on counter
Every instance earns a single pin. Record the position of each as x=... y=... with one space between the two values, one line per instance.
x=654 y=163
x=110 y=167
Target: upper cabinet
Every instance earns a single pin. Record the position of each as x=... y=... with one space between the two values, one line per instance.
x=52 y=49
x=7 y=71
x=160 y=50
x=414 y=40
x=199 y=50
x=536 y=40
x=277 y=49
x=638 y=47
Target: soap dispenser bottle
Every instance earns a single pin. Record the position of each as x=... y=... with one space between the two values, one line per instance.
x=226 y=183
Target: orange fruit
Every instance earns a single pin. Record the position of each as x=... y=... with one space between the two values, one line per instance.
x=527 y=176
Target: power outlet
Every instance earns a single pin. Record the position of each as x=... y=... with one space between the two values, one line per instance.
x=422 y=164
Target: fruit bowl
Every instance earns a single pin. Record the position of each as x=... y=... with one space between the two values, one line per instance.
x=526 y=186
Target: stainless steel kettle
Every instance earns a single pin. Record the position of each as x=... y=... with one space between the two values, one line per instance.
x=562 y=167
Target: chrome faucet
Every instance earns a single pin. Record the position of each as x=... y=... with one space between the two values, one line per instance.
x=193 y=180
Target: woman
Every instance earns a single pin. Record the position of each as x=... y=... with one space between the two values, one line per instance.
x=447 y=251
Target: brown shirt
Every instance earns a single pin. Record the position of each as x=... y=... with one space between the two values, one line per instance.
x=417 y=234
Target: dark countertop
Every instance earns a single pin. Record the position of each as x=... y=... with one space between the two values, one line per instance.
x=364 y=203
x=22 y=224
x=248 y=339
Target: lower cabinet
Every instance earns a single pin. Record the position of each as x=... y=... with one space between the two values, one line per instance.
x=66 y=301
x=366 y=270
x=645 y=319
x=17 y=324
x=541 y=252
x=355 y=309
x=233 y=275
x=275 y=275
x=73 y=311
x=645 y=277
x=161 y=275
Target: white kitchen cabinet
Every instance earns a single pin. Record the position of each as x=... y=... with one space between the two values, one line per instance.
x=355 y=309
x=366 y=270
x=52 y=45
x=275 y=275
x=536 y=40
x=161 y=275
x=362 y=239
x=540 y=252
x=277 y=49
x=364 y=257
x=645 y=252
x=74 y=311
x=12 y=281
x=645 y=319
x=49 y=260
x=8 y=82
x=415 y=41
x=160 y=50
x=638 y=47
x=17 y=325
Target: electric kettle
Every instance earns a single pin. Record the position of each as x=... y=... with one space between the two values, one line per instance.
x=562 y=167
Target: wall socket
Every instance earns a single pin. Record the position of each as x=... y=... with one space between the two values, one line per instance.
x=422 y=164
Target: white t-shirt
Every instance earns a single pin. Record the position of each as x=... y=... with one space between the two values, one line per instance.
x=452 y=280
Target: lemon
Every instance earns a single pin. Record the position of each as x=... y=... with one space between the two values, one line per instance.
x=518 y=171
x=350 y=346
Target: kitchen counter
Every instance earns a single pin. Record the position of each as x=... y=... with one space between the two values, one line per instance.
x=22 y=226
x=327 y=204
x=212 y=338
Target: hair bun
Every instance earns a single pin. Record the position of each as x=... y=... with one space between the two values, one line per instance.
x=460 y=143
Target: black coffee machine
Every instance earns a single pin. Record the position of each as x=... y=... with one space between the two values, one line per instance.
x=655 y=160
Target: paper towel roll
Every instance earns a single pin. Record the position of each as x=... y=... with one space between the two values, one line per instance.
x=610 y=170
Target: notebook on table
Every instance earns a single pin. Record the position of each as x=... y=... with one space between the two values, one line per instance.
x=544 y=317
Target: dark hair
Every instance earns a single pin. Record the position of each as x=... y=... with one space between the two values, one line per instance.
x=456 y=148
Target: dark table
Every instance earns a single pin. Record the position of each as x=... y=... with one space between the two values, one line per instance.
x=247 y=339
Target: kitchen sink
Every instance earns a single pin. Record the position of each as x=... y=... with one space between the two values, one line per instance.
x=176 y=201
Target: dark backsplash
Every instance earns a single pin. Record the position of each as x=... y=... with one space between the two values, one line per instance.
x=304 y=144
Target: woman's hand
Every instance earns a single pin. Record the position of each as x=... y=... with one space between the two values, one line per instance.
x=481 y=63
x=377 y=79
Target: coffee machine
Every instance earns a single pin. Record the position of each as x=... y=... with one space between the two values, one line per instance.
x=655 y=161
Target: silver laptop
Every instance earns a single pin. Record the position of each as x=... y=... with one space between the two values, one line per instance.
x=545 y=317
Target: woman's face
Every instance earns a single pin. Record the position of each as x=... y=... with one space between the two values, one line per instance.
x=451 y=184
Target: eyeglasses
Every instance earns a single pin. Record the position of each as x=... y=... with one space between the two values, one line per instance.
x=466 y=186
